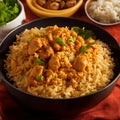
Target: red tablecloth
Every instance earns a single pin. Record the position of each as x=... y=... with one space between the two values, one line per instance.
x=108 y=109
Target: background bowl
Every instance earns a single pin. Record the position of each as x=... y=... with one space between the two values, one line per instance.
x=14 y=23
x=60 y=106
x=42 y=12
x=87 y=4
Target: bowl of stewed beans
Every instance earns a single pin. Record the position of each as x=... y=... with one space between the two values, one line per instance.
x=52 y=8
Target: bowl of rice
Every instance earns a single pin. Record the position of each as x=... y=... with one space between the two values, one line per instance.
x=103 y=12
x=57 y=64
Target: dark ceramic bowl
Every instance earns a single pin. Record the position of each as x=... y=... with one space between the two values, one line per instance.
x=60 y=106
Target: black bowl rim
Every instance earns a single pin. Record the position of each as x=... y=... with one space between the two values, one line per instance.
x=69 y=18
x=48 y=98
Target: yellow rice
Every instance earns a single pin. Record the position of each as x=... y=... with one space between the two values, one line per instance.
x=65 y=71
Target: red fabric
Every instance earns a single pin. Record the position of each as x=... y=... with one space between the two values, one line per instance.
x=108 y=109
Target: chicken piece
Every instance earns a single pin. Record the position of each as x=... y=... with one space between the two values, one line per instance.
x=90 y=40
x=70 y=3
x=32 y=73
x=46 y=53
x=80 y=63
x=57 y=47
x=34 y=45
x=54 y=6
x=54 y=63
x=41 y=2
x=62 y=4
x=36 y=70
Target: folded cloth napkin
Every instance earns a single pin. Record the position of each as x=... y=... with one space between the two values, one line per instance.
x=108 y=109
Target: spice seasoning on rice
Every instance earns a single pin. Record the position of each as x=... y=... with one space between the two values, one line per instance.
x=57 y=69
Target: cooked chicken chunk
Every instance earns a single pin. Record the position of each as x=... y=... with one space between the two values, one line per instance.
x=34 y=45
x=45 y=53
x=36 y=70
x=80 y=63
x=54 y=63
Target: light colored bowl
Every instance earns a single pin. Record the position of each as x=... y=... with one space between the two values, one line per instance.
x=42 y=12
x=14 y=23
x=87 y=4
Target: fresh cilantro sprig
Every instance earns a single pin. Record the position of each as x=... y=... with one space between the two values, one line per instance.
x=9 y=9
x=83 y=49
x=86 y=34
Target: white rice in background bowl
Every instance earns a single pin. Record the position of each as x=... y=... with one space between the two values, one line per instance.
x=103 y=11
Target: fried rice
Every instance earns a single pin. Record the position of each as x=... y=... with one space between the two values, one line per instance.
x=56 y=62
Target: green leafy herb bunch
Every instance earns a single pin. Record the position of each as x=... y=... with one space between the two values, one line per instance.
x=9 y=10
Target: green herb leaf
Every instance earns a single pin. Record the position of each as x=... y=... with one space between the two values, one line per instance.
x=60 y=41
x=9 y=9
x=37 y=35
x=40 y=62
x=39 y=77
x=28 y=41
x=73 y=39
x=10 y=2
x=86 y=34
x=84 y=48
x=90 y=44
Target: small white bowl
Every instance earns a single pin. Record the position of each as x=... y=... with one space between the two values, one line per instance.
x=14 y=23
x=87 y=4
